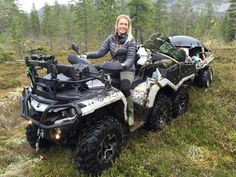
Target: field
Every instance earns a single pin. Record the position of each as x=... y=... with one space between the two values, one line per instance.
x=202 y=142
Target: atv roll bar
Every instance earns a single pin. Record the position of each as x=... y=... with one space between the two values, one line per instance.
x=24 y=110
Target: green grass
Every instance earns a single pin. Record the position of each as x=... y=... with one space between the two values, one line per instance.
x=202 y=142
x=12 y=75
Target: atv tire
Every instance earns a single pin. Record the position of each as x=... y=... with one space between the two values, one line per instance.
x=180 y=102
x=160 y=114
x=32 y=137
x=204 y=77
x=99 y=145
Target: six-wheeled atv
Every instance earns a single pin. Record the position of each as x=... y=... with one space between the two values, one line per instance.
x=202 y=56
x=79 y=104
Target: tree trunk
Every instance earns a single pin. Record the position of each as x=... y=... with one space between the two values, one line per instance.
x=141 y=35
x=51 y=45
x=136 y=34
x=85 y=28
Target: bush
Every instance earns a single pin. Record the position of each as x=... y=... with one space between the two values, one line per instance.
x=6 y=55
x=39 y=50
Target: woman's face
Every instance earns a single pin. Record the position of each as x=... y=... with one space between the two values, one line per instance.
x=122 y=26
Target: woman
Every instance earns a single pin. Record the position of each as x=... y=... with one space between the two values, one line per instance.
x=122 y=38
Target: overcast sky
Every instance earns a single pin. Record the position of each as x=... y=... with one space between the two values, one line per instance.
x=26 y=5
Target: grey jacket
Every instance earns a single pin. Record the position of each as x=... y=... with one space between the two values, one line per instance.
x=110 y=45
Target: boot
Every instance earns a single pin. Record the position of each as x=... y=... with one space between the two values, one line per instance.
x=130 y=110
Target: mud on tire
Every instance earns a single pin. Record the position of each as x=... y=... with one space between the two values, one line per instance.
x=160 y=114
x=180 y=102
x=99 y=145
x=32 y=137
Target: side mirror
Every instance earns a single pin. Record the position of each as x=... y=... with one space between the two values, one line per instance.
x=75 y=47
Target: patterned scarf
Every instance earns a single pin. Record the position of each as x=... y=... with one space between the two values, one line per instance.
x=120 y=39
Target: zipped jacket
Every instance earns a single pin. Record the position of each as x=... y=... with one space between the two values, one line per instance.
x=111 y=45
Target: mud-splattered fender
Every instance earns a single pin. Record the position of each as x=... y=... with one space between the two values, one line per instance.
x=101 y=101
x=144 y=94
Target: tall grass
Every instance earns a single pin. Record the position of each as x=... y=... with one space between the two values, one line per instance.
x=202 y=142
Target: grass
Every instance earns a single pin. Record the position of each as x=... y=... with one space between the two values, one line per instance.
x=202 y=142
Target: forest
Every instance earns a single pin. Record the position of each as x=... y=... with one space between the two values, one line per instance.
x=201 y=142
x=88 y=22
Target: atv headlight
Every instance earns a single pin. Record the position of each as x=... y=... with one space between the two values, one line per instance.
x=56 y=133
x=72 y=112
x=64 y=113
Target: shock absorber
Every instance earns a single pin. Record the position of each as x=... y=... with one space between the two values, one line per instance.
x=40 y=134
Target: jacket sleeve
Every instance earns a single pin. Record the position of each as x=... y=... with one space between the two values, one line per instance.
x=104 y=49
x=130 y=54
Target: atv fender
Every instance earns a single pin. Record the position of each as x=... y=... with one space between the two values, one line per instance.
x=205 y=62
x=164 y=82
x=144 y=94
x=100 y=101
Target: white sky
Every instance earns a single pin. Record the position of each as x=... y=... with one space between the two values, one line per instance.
x=26 y=5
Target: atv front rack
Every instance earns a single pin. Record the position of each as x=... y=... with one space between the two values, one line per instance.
x=49 y=88
x=60 y=77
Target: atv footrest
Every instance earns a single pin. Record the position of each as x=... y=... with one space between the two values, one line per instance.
x=137 y=124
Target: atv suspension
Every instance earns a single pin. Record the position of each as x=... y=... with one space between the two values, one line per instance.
x=40 y=134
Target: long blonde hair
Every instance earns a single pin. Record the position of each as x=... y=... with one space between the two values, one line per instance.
x=129 y=32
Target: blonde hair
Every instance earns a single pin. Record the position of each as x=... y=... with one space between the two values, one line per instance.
x=129 y=32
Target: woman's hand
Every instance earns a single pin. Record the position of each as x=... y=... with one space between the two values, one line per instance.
x=83 y=56
x=124 y=65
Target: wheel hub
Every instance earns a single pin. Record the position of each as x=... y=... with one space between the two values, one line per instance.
x=182 y=104
x=163 y=120
x=107 y=148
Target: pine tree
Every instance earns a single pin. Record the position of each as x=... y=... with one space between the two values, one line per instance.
x=140 y=13
x=210 y=19
x=200 y=27
x=15 y=29
x=6 y=9
x=181 y=17
x=161 y=17
x=232 y=19
x=225 y=29
x=34 y=20
x=26 y=25
x=58 y=14
x=85 y=18
x=68 y=23
x=108 y=12
x=48 y=24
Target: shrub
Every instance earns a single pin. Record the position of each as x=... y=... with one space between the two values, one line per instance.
x=39 y=50
x=6 y=55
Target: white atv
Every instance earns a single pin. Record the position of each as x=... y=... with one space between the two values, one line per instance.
x=77 y=104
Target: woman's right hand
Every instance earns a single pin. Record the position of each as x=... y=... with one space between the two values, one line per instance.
x=83 y=57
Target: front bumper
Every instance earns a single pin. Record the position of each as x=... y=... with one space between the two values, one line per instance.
x=49 y=106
